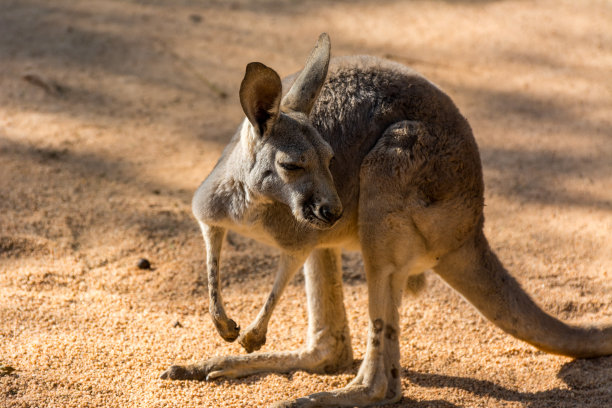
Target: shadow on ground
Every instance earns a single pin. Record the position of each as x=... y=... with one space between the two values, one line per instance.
x=587 y=380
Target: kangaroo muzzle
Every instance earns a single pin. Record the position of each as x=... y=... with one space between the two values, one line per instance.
x=329 y=214
x=322 y=215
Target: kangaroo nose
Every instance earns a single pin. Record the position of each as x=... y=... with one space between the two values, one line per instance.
x=328 y=214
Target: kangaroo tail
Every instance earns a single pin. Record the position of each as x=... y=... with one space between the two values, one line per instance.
x=476 y=272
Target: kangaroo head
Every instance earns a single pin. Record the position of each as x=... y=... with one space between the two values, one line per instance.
x=288 y=158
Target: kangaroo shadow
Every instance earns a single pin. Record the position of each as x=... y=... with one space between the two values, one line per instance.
x=589 y=384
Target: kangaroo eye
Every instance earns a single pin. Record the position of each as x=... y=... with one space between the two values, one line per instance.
x=290 y=166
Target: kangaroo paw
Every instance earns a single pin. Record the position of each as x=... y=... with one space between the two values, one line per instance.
x=227 y=328
x=252 y=339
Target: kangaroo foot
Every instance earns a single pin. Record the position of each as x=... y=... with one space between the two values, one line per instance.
x=323 y=359
x=200 y=371
x=353 y=395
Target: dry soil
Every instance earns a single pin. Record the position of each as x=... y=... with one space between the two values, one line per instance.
x=112 y=113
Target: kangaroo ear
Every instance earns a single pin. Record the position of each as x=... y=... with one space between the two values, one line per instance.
x=260 y=95
x=303 y=94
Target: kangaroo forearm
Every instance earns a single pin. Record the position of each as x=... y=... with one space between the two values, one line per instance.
x=213 y=239
x=255 y=335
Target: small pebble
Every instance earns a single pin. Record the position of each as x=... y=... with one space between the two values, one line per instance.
x=143 y=263
x=6 y=370
x=196 y=18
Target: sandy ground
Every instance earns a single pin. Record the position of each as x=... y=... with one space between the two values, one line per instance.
x=112 y=112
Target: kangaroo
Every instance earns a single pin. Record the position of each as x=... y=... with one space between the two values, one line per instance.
x=358 y=153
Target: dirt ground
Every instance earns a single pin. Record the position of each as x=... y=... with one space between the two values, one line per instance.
x=112 y=113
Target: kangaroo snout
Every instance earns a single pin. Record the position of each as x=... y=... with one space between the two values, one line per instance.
x=322 y=215
x=329 y=214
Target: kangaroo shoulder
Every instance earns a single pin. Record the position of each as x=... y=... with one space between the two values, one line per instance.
x=220 y=198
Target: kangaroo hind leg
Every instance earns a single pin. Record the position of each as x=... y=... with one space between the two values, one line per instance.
x=393 y=250
x=328 y=345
